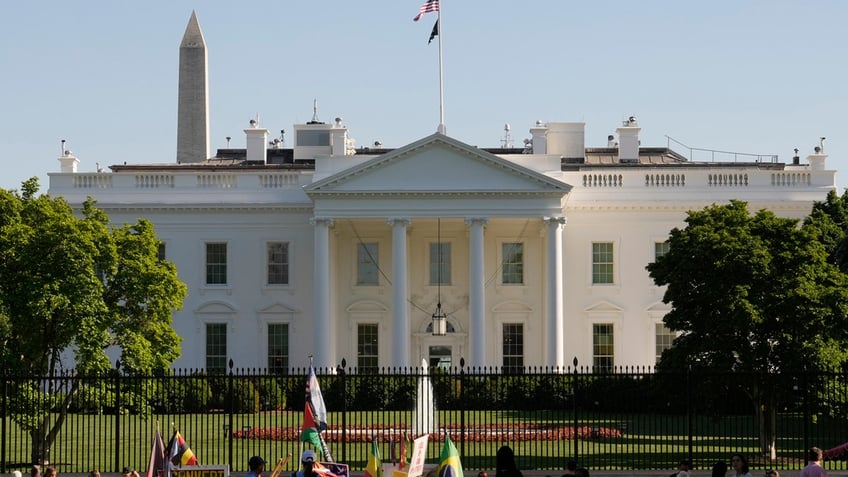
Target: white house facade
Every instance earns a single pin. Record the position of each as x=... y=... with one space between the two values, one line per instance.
x=527 y=257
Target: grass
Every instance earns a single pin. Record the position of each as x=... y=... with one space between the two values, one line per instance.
x=107 y=443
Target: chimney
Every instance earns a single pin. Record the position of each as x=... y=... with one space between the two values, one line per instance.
x=256 y=139
x=68 y=162
x=338 y=138
x=540 y=143
x=628 y=140
x=566 y=139
x=817 y=159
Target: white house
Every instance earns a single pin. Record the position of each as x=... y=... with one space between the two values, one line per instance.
x=536 y=255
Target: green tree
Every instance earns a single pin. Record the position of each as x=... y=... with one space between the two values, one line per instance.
x=75 y=283
x=752 y=294
x=829 y=220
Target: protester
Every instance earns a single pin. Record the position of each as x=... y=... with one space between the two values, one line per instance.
x=772 y=473
x=570 y=468
x=255 y=465
x=35 y=471
x=581 y=472
x=683 y=466
x=16 y=473
x=740 y=466
x=813 y=468
x=719 y=469
x=94 y=473
x=505 y=462
x=49 y=472
x=307 y=461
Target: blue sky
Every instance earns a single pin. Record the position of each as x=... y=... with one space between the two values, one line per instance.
x=748 y=76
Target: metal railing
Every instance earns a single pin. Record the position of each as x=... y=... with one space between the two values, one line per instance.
x=715 y=155
x=627 y=419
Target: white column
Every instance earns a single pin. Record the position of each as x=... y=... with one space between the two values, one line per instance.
x=553 y=293
x=400 y=309
x=322 y=350
x=477 y=293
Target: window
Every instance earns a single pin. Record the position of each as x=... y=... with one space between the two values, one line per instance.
x=278 y=263
x=216 y=263
x=513 y=263
x=513 y=348
x=665 y=338
x=367 y=347
x=660 y=249
x=278 y=348
x=160 y=252
x=440 y=261
x=603 y=348
x=216 y=348
x=602 y=263
x=367 y=264
x=313 y=138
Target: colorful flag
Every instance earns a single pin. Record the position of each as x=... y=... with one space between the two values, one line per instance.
x=178 y=453
x=156 y=465
x=429 y=6
x=404 y=443
x=374 y=467
x=331 y=469
x=434 y=32
x=314 y=416
x=449 y=464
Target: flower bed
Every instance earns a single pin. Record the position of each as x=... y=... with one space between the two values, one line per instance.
x=487 y=433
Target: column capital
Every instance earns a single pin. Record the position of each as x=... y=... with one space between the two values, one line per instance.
x=555 y=220
x=476 y=220
x=399 y=221
x=318 y=220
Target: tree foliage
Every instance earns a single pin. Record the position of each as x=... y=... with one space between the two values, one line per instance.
x=753 y=294
x=75 y=283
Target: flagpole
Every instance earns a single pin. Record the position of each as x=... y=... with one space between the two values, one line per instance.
x=441 y=129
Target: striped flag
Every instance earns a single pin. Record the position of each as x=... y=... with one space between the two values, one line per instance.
x=314 y=416
x=374 y=466
x=178 y=453
x=428 y=7
x=156 y=464
x=449 y=464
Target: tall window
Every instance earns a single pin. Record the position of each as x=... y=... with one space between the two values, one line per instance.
x=513 y=262
x=160 y=252
x=513 y=348
x=278 y=348
x=216 y=263
x=278 y=263
x=602 y=263
x=603 y=347
x=367 y=347
x=440 y=261
x=664 y=338
x=216 y=348
x=367 y=264
x=660 y=249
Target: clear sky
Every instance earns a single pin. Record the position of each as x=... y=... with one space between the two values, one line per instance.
x=747 y=76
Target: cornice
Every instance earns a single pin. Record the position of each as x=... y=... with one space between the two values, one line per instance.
x=205 y=208
x=332 y=194
x=683 y=206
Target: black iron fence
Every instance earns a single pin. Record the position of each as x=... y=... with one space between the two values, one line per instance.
x=628 y=419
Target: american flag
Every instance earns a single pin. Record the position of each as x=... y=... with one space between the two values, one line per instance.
x=429 y=6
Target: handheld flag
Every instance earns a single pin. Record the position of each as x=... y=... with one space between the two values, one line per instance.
x=156 y=464
x=428 y=7
x=404 y=442
x=449 y=464
x=331 y=469
x=314 y=416
x=434 y=32
x=374 y=467
x=178 y=453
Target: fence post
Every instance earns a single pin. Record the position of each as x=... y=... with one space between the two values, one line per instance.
x=689 y=409
x=805 y=392
x=230 y=417
x=3 y=412
x=344 y=409
x=117 y=415
x=574 y=407
x=462 y=406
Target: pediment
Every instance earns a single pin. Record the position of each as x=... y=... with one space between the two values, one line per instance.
x=367 y=306
x=512 y=307
x=658 y=307
x=215 y=307
x=437 y=164
x=277 y=309
x=604 y=307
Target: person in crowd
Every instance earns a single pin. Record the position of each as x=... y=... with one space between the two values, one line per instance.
x=772 y=473
x=307 y=461
x=49 y=471
x=581 y=472
x=814 y=461
x=16 y=473
x=570 y=468
x=94 y=473
x=35 y=471
x=505 y=461
x=683 y=466
x=719 y=469
x=482 y=473
x=740 y=466
x=255 y=466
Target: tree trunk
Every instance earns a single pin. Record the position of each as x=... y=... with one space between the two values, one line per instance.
x=44 y=434
x=767 y=427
